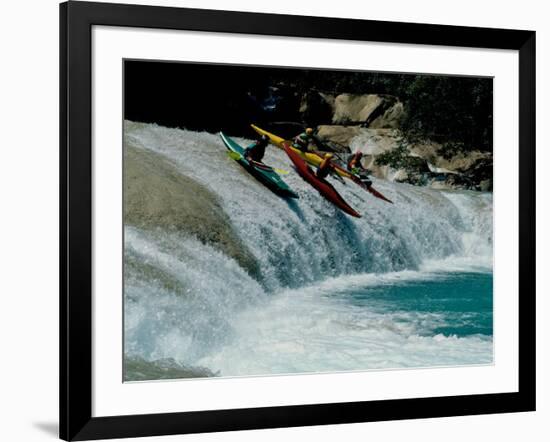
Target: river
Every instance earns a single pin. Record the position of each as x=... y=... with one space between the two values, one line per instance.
x=407 y=285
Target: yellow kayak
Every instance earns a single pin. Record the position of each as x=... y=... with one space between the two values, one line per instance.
x=308 y=157
x=314 y=160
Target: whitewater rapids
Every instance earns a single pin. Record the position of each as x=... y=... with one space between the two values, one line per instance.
x=271 y=290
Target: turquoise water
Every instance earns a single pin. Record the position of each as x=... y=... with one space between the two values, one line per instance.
x=463 y=301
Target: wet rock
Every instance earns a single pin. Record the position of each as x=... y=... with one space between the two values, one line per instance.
x=357 y=138
x=376 y=141
x=156 y=195
x=139 y=369
x=401 y=176
x=341 y=135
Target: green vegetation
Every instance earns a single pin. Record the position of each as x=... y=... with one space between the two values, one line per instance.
x=395 y=158
x=399 y=158
x=450 y=149
x=454 y=111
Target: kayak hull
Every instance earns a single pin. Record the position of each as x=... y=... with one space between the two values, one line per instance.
x=263 y=173
x=326 y=190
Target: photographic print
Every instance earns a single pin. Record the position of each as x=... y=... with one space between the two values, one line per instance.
x=282 y=220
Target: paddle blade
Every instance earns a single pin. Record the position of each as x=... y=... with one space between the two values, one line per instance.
x=338 y=178
x=281 y=171
x=234 y=155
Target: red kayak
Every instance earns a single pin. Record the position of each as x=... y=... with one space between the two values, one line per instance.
x=343 y=172
x=322 y=186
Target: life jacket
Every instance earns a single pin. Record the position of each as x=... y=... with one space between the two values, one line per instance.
x=257 y=151
x=354 y=161
x=302 y=141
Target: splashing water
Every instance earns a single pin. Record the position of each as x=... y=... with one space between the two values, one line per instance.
x=406 y=285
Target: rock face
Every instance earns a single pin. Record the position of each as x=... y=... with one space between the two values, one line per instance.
x=371 y=123
x=357 y=138
x=390 y=119
x=339 y=134
x=353 y=109
x=157 y=195
x=316 y=108
x=463 y=162
x=376 y=141
x=472 y=170
x=369 y=110
x=388 y=156
x=376 y=111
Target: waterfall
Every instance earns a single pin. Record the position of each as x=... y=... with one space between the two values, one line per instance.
x=188 y=301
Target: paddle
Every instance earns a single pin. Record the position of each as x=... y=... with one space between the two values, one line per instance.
x=237 y=156
x=337 y=177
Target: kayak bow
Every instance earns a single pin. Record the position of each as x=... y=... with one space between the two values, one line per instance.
x=322 y=186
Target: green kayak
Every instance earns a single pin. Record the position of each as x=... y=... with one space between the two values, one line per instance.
x=263 y=173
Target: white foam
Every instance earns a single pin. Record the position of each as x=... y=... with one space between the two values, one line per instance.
x=303 y=331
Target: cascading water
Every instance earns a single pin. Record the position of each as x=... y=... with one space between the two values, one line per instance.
x=406 y=285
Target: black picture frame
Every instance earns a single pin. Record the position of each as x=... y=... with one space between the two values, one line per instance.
x=76 y=21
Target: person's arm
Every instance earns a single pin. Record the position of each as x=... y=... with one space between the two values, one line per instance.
x=249 y=148
x=326 y=164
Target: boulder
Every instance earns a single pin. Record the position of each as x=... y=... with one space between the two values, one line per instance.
x=370 y=123
x=400 y=176
x=464 y=161
x=365 y=109
x=459 y=181
x=156 y=196
x=339 y=134
x=441 y=185
x=382 y=172
x=391 y=119
x=462 y=170
x=357 y=138
x=427 y=150
x=349 y=109
x=376 y=141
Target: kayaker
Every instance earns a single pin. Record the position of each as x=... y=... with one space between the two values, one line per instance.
x=256 y=151
x=354 y=166
x=354 y=162
x=303 y=140
x=325 y=167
